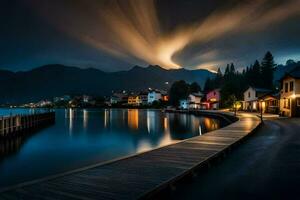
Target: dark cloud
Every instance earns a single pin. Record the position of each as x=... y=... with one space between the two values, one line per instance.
x=190 y=33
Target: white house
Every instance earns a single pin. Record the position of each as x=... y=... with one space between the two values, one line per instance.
x=195 y=100
x=251 y=98
x=154 y=95
x=290 y=94
x=192 y=102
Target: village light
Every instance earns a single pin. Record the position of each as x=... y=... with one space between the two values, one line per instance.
x=261 y=110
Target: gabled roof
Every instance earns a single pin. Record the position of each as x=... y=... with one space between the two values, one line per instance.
x=270 y=95
x=199 y=94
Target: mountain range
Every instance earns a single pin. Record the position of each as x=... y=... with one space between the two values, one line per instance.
x=48 y=81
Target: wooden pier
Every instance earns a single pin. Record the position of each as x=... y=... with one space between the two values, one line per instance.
x=11 y=126
x=142 y=176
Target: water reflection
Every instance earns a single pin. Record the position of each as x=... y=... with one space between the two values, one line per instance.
x=85 y=118
x=10 y=146
x=84 y=137
x=70 y=117
x=133 y=118
x=153 y=123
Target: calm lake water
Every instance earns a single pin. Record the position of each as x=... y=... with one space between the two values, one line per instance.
x=87 y=136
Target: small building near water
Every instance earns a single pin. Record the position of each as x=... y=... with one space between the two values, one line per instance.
x=290 y=94
x=153 y=96
x=134 y=100
x=213 y=99
x=252 y=96
x=192 y=102
x=119 y=98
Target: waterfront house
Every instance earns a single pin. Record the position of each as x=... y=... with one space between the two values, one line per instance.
x=119 y=98
x=143 y=98
x=213 y=99
x=86 y=98
x=252 y=97
x=43 y=103
x=154 y=95
x=192 y=102
x=62 y=98
x=134 y=100
x=290 y=94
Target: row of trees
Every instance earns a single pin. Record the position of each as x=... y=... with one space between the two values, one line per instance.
x=233 y=83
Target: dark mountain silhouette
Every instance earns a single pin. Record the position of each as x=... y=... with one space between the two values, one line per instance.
x=5 y=74
x=55 y=80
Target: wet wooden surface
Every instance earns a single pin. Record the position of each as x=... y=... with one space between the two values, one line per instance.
x=140 y=175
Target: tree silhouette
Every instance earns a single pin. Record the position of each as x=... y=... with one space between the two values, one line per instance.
x=179 y=90
x=234 y=83
x=195 y=88
x=267 y=70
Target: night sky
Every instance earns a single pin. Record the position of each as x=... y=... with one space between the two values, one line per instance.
x=116 y=35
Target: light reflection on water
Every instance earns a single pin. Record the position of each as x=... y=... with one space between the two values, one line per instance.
x=84 y=137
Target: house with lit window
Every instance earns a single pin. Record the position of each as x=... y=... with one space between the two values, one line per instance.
x=154 y=95
x=134 y=100
x=143 y=97
x=213 y=99
x=253 y=98
x=192 y=102
x=290 y=94
x=270 y=103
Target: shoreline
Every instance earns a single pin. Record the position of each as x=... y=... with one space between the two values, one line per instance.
x=92 y=165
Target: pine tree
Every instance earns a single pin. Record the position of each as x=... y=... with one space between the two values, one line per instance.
x=256 y=74
x=227 y=70
x=195 y=88
x=207 y=85
x=179 y=90
x=232 y=69
x=218 y=79
x=267 y=70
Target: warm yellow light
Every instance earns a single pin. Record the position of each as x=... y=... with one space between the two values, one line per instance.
x=263 y=104
x=254 y=105
x=133 y=118
x=131 y=30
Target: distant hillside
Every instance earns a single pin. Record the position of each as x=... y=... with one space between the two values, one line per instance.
x=54 y=80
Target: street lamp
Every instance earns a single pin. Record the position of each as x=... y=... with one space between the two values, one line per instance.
x=234 y=106
x=261 y=110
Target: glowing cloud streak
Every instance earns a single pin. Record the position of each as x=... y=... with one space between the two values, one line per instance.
x=131 y=29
